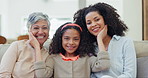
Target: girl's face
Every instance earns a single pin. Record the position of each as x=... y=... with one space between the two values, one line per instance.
x=94 y=22
x=70 y=41
x=40 y=30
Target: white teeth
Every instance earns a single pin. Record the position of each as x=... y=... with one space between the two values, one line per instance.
x=40 y=37
x=70 y=47
x=95 y=29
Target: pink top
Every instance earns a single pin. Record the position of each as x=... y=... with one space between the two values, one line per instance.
x=69 y=58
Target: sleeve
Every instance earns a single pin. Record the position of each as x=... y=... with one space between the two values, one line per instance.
x=8 y=61
x=129 y=59
x=101 y=62
x=44 y=69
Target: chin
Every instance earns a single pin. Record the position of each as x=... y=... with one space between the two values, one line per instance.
x=41 y=42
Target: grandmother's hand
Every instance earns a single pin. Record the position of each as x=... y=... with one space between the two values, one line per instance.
x=33 y=41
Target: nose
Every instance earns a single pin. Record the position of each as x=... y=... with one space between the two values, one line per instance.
x=94 y=24
x=71 y=42
x=40 y=31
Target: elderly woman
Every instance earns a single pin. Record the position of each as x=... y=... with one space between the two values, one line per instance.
x=22 y=60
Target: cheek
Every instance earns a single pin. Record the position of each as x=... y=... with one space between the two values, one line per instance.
x=63 y=42
x=33 y=32
x=88 y=27
x=78 y=43
x=47 y=33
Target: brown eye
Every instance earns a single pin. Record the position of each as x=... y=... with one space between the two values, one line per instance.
x=66 y=38
x=35 y=28
x=97 y=19
x=45 y=27
x=88 y=23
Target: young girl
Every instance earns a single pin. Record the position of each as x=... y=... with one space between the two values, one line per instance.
x=69 y=56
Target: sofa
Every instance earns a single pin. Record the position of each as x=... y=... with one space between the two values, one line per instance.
x=141 y=48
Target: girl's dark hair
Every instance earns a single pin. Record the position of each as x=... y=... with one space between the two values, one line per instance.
x=56 y=43
x=111 y=19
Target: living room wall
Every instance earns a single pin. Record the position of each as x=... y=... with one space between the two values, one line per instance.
x=14 y=11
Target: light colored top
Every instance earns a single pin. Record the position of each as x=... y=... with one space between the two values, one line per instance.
x=122 y=59
x=18 y=61
x=81 y=68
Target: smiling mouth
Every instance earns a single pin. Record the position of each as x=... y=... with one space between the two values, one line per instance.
x=40 y=37
x=70 y=47
x=96 y=29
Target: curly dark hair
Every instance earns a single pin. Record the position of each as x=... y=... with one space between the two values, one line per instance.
x=111 y=19
x=56 y=43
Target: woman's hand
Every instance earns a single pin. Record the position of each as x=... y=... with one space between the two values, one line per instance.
x=102 y=33
x=33 y=41
x=100 y=37
x=35 y=44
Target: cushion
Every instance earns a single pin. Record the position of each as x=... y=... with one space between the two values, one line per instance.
x=142 y=67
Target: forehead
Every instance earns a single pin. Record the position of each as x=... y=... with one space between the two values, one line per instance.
x=92 y=15
x=71 y=33
x=41 y=22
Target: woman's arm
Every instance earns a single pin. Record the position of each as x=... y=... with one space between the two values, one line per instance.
x=8 y=61
x=102 y=34
x=129 y=59
x=42 y=69
x=101 y=62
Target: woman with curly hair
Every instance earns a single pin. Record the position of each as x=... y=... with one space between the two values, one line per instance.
x=69 y=58
x=104 y=29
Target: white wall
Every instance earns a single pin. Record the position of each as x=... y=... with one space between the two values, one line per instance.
x=13 y=12
x=130 y=12
x=4 y=17
x=18 y=9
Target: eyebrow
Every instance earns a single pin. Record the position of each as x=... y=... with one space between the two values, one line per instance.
x=96 y=17
x=40 y=25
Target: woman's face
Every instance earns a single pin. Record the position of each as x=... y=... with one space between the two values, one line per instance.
x=70 y=41
x=40 y=30
x=94 y=22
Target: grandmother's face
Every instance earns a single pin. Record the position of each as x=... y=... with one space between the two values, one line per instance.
x=40 y=30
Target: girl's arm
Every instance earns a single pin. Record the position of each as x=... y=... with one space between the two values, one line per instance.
x=44 y=69
x=99 y=63
x=8 y=61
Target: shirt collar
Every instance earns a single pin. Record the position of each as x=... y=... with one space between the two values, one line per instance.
x=69 y=58
x=116 y=37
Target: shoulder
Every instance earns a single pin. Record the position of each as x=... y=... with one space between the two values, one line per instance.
x=53 y=55
x=18 y=43
x=122 y=39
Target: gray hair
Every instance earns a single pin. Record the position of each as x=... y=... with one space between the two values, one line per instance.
x=36 y=16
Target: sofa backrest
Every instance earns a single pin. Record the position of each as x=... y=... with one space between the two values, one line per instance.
x=141 y=48
x=3 y=48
